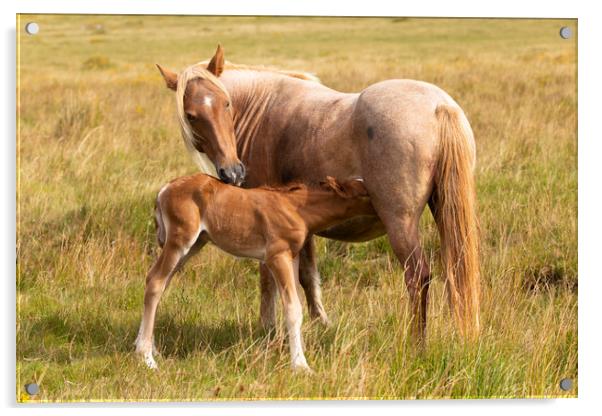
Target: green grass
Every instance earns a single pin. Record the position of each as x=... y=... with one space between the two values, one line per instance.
x=98 y=137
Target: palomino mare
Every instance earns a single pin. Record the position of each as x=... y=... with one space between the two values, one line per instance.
x=270 y=225
x=408 y=139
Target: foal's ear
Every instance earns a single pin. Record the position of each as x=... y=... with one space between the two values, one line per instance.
x=171 y=78
x=351 y=188
x=216 y=65
x=355 y=187
x=331 y=184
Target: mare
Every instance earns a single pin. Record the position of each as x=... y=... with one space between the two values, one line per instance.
x=409 y=140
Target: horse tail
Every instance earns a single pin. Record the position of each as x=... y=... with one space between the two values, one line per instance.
x=454 y=203
x=159 y=223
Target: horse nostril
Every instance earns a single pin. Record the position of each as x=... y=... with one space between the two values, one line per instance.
x=223 y=176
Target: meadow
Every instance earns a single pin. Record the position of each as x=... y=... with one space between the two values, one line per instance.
x=98 y=137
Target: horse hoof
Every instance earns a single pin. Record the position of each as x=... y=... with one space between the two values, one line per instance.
x=325 y=321
x=302 y=368
x=268 y=326
x=321 y=317
x=151 y=363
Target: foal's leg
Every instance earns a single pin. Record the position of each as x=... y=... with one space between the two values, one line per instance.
x=282 y=269
x=156 y=282
x=269 y=291
x=173 y=257
x=309 y=277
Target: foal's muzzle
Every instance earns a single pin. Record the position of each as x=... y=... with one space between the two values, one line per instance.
x=234 y=174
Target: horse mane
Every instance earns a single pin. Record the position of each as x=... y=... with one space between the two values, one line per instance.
x=304 y=75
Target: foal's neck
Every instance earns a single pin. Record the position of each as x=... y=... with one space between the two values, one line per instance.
x=324 y=209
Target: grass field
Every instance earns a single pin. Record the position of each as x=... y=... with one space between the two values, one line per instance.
x=98 y=137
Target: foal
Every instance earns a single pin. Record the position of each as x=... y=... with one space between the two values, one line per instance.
x=267 y=224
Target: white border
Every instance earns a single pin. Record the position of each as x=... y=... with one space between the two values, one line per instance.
x=590 y=174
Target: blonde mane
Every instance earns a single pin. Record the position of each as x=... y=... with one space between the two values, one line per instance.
x=199 y=71
x=304 y=75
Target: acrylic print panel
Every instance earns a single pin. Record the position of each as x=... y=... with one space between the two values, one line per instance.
x=99 y=134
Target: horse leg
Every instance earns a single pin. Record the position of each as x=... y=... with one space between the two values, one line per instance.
x=405 y=241
x=309 y=277
x=156 y=282
x=171 y=259
x=282 y=269
x=269 y=291
x=400 y=209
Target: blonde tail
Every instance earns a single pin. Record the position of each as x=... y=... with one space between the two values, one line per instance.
x=456 y=218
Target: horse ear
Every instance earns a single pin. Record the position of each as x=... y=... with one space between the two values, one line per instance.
x=171 y=78
x=216 y=65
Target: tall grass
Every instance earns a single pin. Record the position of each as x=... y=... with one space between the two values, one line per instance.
x=98 y=137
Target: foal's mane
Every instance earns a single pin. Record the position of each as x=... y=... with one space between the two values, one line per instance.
x=297 y=186
x=290 y=187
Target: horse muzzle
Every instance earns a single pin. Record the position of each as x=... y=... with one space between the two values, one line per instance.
x=234 y=174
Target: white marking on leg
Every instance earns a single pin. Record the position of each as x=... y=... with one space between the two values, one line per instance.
x=140 y=330
x=145 y=347
x=150 y=361
x=293 y=323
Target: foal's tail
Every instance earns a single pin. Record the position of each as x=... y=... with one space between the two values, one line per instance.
x=159 y=224
x=454 y=210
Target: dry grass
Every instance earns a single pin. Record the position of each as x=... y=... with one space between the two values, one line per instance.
x=98 y=138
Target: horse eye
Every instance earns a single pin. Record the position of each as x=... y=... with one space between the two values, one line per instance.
x=227 y=104
x=190 y=117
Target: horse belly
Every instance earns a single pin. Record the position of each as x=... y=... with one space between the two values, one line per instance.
x=357 y=229
x=238 y=247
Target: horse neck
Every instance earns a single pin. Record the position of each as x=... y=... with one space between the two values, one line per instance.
x=323 y=209
x=251 y=93
x=261 y=98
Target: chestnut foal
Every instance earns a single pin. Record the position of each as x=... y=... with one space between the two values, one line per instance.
x=267 y=224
